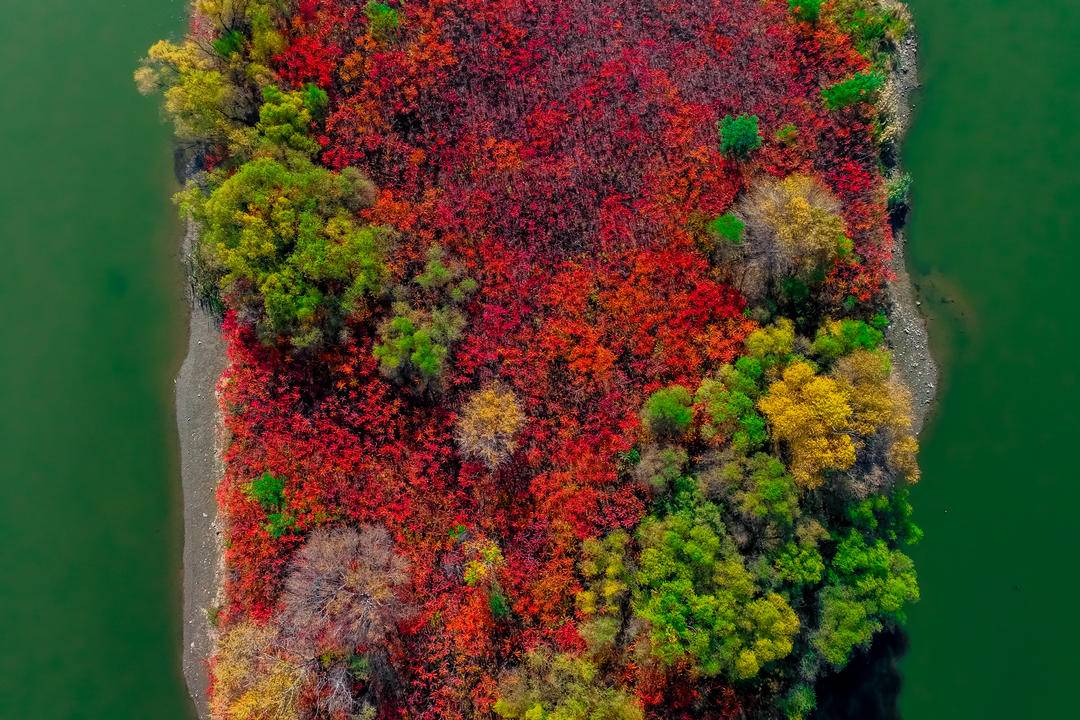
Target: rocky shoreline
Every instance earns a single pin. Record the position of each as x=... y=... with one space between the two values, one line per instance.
x=199 y=423
x=907 y=332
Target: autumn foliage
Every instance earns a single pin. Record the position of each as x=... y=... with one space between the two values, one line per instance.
x=534 y=451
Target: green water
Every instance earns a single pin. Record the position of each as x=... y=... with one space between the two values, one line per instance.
x=92 y=329
x=995 y=244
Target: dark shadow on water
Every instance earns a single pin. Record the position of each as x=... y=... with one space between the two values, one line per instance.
x=869 y=687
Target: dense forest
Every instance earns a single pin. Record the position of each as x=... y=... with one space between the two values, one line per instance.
x=558 y=383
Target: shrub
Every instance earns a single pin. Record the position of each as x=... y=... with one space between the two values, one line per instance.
x=267 y=490
x=488 y=424
x=873 y=26
x=898 y=191
x=668 y=412
x=860 y=87
x=787 y=134
x=739 y=135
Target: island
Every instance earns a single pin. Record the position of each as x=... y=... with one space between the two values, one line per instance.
x=548 y=360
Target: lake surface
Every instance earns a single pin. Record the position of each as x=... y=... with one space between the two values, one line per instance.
x=995 y=245
x=93 y=327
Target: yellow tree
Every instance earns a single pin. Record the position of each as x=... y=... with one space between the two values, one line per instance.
x=810 y=414
x=488 y=425
x=250 y=681
x=793 y=229
x=880 y=403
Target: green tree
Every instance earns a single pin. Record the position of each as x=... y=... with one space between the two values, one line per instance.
x=860 y=87
x=200 y=98
x=845 y=624
x=797 y=565
x=868 y=584
x=772 y=345
x=739 y=135
x=883 y=578
x=414 y=344
x=606 y=578
x=669 y=412
x=417 y=343
x=836 y=338
x=728 y=402
x=660 y=467
x=759 y=488
x=285 y=120
x=799 y=703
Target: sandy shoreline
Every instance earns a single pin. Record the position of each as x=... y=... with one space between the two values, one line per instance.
x=198 y=421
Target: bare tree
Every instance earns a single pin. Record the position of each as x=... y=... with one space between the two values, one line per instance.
x=343 y=592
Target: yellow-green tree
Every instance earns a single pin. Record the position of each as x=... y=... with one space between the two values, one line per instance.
x=549 y=686
x=606 y=588
x=701 y=603
x=290 y=255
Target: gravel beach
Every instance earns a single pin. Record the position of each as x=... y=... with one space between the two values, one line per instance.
x=198 y=423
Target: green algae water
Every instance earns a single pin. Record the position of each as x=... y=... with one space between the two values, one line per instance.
x=995 y=246
x=93 y=327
